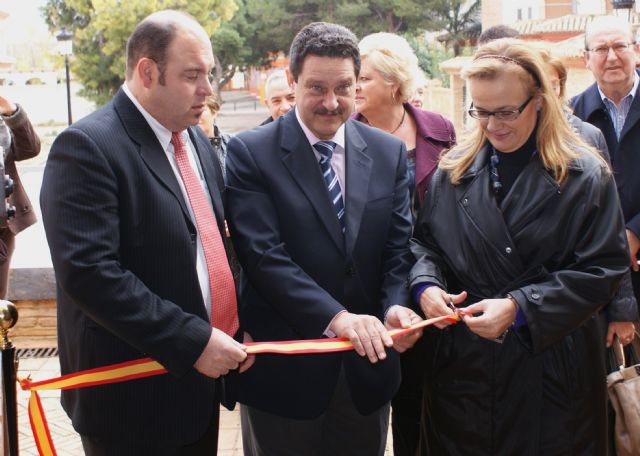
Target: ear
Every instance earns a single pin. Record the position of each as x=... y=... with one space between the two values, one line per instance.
x=290 y=79
x=146 y=71
x=585 y=55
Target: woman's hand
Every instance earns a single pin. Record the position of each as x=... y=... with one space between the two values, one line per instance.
x=495 y=317
x=625 y=331
x=435 y=302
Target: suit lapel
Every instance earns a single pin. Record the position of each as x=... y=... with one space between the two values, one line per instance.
x=300 y=160
x=150 y=149
x=358 y=172
x=633 y=116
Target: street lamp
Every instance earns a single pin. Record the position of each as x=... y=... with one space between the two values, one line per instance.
x=65 y=47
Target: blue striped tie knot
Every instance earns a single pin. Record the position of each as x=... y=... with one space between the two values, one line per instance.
x=325 y=149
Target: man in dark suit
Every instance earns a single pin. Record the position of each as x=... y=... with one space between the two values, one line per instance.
x=19 y=142
x=319 y=212
x=612 y=104
x=131 y=204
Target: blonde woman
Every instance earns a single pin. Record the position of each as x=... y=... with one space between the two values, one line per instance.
x=386 y=83
x=521 y=232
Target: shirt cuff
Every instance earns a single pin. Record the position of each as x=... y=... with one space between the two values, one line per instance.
x=327 y=332
x=520 y=320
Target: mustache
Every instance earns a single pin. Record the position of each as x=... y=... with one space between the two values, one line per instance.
x=326 y=112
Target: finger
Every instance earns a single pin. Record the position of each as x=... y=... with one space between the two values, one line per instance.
x=477 y=308
x=369 y=350
x=405 y=318
x=459 y=298
x=356 y=342
x=610 y=334
x=247 y=363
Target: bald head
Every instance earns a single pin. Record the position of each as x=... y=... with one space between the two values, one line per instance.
x=153 y=36
x=605 y=24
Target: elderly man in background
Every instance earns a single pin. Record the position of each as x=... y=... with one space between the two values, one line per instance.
x=612 y=105
x=279 y=95
x=19 y=142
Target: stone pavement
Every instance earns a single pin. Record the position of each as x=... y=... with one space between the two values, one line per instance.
x=66 y=440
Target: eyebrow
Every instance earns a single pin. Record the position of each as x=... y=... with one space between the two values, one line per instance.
x=501 y=108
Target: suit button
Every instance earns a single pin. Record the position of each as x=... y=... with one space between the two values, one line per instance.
x=508 y=250
x=193 y=237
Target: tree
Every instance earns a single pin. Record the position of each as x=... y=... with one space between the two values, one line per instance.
x=101 y=29
x=460 y=19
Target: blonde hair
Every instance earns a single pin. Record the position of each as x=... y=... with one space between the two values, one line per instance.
x=392 y=57
x=556 y=65
x=557 y=143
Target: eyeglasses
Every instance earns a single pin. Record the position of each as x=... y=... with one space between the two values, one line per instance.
x=507 y=114
x=618 y=48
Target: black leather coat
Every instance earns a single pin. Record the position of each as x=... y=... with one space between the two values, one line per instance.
x=560 y=251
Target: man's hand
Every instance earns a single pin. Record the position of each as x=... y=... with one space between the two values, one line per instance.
x=497 y=316
x=399 y=317
x=251 y=359
x=220 y=355
x=7 y=107
x=367 y=334
x=435 y=302
x=623 y=329
x=634 y=246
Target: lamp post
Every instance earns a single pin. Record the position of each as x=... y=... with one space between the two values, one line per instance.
x=65 y=47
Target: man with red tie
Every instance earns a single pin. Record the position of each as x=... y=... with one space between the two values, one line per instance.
x=131 y=204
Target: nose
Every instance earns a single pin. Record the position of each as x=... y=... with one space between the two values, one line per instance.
x=492 y=123
x=206 y=88
x=285 y=106
x=330 y=101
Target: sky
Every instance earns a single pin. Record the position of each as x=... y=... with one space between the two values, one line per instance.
x=24 y=21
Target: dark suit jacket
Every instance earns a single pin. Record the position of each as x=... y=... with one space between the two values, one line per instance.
x=625 y=158
x=124 y=252
x=301 y=271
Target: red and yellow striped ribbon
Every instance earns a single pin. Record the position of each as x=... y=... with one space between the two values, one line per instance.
x=147 y=367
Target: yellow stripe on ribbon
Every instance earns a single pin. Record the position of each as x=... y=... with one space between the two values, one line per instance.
x=147 y=367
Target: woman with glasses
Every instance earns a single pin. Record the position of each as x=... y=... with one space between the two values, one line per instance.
x=520 y=235
x=386 y=84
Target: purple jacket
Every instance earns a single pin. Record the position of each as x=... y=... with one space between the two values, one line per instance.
x=435 y=133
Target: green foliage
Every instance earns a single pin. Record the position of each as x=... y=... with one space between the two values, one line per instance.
x=101 y=29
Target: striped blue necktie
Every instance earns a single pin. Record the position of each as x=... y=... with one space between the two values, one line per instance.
x=325 y=149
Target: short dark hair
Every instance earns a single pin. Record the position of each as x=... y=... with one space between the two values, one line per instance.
x=323 y=39
x=153 y=36
x=496 y=32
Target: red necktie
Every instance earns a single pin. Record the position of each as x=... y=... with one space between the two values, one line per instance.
x=224 y=310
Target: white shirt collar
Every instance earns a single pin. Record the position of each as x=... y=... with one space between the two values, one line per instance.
x=161 y=132
x=338 y=138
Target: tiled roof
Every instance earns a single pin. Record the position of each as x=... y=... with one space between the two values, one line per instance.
x=568 y=23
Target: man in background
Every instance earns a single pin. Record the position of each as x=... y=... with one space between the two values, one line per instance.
x=279 y=95
x=612 y=104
